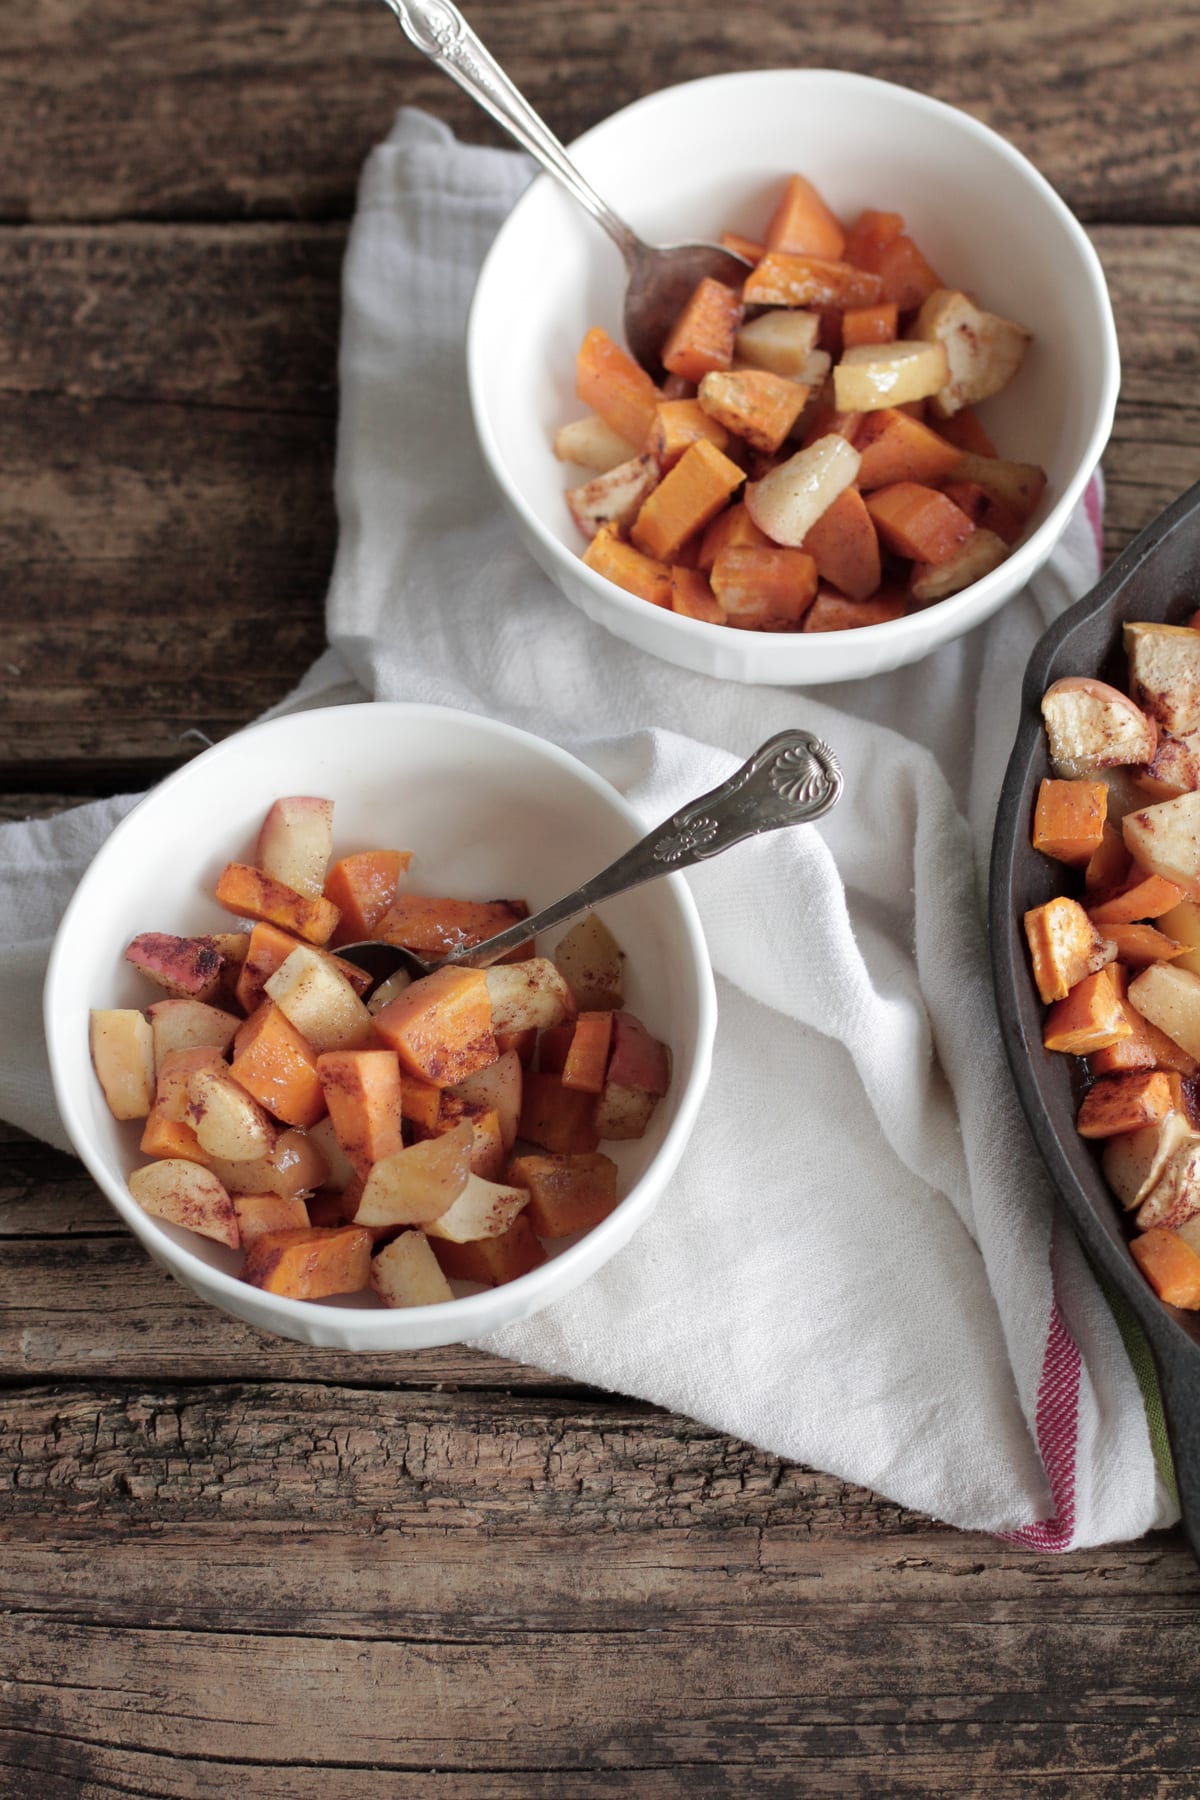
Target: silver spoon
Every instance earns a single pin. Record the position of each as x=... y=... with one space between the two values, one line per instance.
x=660 y=280
x=791 y=779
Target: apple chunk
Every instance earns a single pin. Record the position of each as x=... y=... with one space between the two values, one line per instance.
x=416 y=1186
x=318 y=1000
x=483 y=1209
x=1164 y=671
x=983 y=350
x=190 y=1025
x=189 y=968
x=1169 y=998
x=407 y=1273
x=528 y=996
x=227 y=1121
x=592 y=964
x=872 y=376
x=789 y=499
x=1090 y=725
x=122 y=1046
x=296 y=843
x=1165 y=839
x=497 y=1087
x=183 y=1193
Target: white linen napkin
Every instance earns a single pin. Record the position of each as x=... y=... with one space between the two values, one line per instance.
x=857 y=1265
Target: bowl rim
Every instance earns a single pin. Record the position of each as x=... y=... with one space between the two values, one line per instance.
x=1011 y=978
x=1027 y=556
x=539 y=1286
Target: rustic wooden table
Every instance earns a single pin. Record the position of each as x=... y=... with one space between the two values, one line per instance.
x=228 y=1559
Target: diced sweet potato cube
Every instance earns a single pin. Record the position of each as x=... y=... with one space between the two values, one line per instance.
x=678 y=424
x=609 y=381
x=765 y=590
x=701 y=338
x=731 y=529
x=1090 y=1018
x=1125 y=1102
x=278 y=1066
x=918 y=522
x=803 y=223
x=1170 y=1266
x=783 y=279
x=441 y=1026
x=190 y=968
x=904 y=276
x=686 y=498
x=362 y=1092
x=566 y=1193
x=309 y=1263
x=1064 y=946
x=964 y=429
x=362 y=887
x=1109 y=865
x=1140 y=945
x=1148 y=898
x=253 y=895
x=892 y=446
x=258 y=1214
x=555 y=1117
x=754 y=404
x=869 y=324
x=647 y=577
x=845 y=547
x=833 y=612
x=586 y=1061
x=166 y=1137
x=420 y=1103
x=749 y=248
x=1068 y=823
x=692 y=597
x=491 y=1260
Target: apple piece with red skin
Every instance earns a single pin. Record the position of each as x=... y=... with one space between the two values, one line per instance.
x=638 y=1060
x=295 y=844
x=1090 y=725
x=189 y=968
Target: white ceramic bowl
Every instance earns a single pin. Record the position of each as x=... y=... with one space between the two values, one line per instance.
x=708 y=155
x=486 y=810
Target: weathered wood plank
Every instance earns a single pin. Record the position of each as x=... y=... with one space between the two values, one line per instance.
x=164 y=560
x=271 y=113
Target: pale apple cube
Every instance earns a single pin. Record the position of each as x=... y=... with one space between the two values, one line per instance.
x=789 y=499
x=1134 y=1160
x=319 y=1001
x=340 y=1171
x=1175 y=1196
x=1182 y=924
x=407 y=1273
x=497 y=1088
x=296 y=843
x=228 y=1122
x=592 y=444
x=1090 y=725
x=593 y=965
x=528 y=996
x=780 y=342
x=982 y=552
x=983 y=350
x=615 y=497
x=418 y=1185
x=872 y=376
x=190 y=1025
x=1164 y=672
x=483 y=1209
x=1165 y=839
x=184 y=1193
x=122 y=1046
x=388 y=990
x=1170 y=998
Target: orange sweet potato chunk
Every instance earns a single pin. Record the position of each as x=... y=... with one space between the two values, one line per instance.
x=609 y=555
x=766 y=589
x=845 y=547
x=1124 y=1102
x=587 y=1057
x=677 y=425
x=893 y=446
x=278 y=1066
x=441 y=1026
x=494 y=1260
x=1169 y=1265
x=566 y=1193
x=310 y=1262
x=701 y=338
x=693 y=598
x=1068 y=823
x=732 y=529
x=802 y=223
x=1064 y=947
x=833 y=612
x=362 y=1092
x=686 y=498
x=252 y=895
x=918 y=521
x=1140 y=945
x=1148 y=898
x=755 y=405
x=362 y=887
x=433 y=926
x=555 y=1117
x=781 y=279
x=609 y=381
x=870 y=324
x=1110 y=863
x=1090 y=1018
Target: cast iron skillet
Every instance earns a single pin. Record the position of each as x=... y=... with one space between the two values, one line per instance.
x=1157 y=578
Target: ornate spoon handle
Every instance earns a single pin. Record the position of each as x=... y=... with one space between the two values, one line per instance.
x=441 y=33
x=791 y=779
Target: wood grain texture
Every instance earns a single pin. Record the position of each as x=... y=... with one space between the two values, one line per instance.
x=142 y=111
x=166 y=510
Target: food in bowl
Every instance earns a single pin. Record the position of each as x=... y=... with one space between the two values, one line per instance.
x=813 y=461
x=1116 y=956
x=434 y=1130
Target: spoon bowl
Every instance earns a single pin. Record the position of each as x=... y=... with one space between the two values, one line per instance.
x=660 y=280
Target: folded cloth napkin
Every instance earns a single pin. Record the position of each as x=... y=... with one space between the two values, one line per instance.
x=857 y=1264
